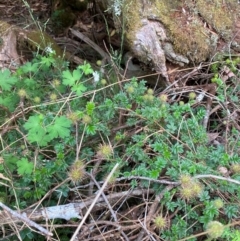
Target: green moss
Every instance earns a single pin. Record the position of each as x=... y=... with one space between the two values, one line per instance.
x=34 y=40
x=193 y=27
x=187 y=33
x=132 y=17
x=4 y=27
x=218 y=14
x=40 y=40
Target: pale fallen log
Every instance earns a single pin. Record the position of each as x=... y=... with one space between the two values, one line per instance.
x=71 y=210
x=25 y=219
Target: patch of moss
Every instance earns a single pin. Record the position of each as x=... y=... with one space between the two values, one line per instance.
x=4 y=27
x=186 y=31
x=38 y=40
x=131 y=17
x=192 y=26
x=219 y=14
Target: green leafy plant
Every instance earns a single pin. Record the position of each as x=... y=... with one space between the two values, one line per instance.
x=7 y=80
x=51 y=145
x=44 y=133
x=24 y=166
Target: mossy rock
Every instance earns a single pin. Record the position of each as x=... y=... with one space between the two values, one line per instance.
x=194 y=29
x=5 y=28
x=38 y=40
x=14 y=40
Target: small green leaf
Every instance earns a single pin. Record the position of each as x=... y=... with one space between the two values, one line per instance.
x=47 y=60
x=29 y=67
x=33 y=123
x=78 y=89
x=60 y=127
x=71 y=78
x=40 y=136
x=10 y=161
x=24 y=167
x=10 y=101
x=91 y=129
x=154 y=174
x=7 y=80
x=90 y=107
x=86 y=68
x=36 y=131
x=29 y=82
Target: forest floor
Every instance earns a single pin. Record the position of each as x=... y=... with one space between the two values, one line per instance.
x=151 y=207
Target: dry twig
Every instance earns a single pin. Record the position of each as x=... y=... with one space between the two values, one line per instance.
x=26 y=220
x=94 y=202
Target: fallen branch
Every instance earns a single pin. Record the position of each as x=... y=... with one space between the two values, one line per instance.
x=90 y=43
x=71 y=210
x=26 y=220
x=217 y=177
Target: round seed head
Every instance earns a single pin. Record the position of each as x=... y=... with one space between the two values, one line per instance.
x=53 y=97
x=37 y=100
x=77 y=171
x=160 y=222
x=218 y=203
x=151 y=98
x=99 y=63
x=163 y=98
x=185 y=179
x=197 y=188
x=22 y=93
x=187 y=193
x=130 y=89
x=86 y=119
x=104 y=151
x=56 y=82
x=78 y=164
x=150 y=91
x=215 y=229
x=181 y=103
x=103 y=82
x=192 y=95
x=236 y=168
x=73 y=116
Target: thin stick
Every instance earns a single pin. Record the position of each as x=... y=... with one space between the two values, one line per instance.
x=217 y=177
x=94 y=202
x=26 y=220
x=90 y=43
x=109 y=207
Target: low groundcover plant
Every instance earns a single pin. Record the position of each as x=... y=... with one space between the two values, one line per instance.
x=60 y=129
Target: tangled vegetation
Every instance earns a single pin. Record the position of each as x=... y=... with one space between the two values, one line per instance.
x=61 y=129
